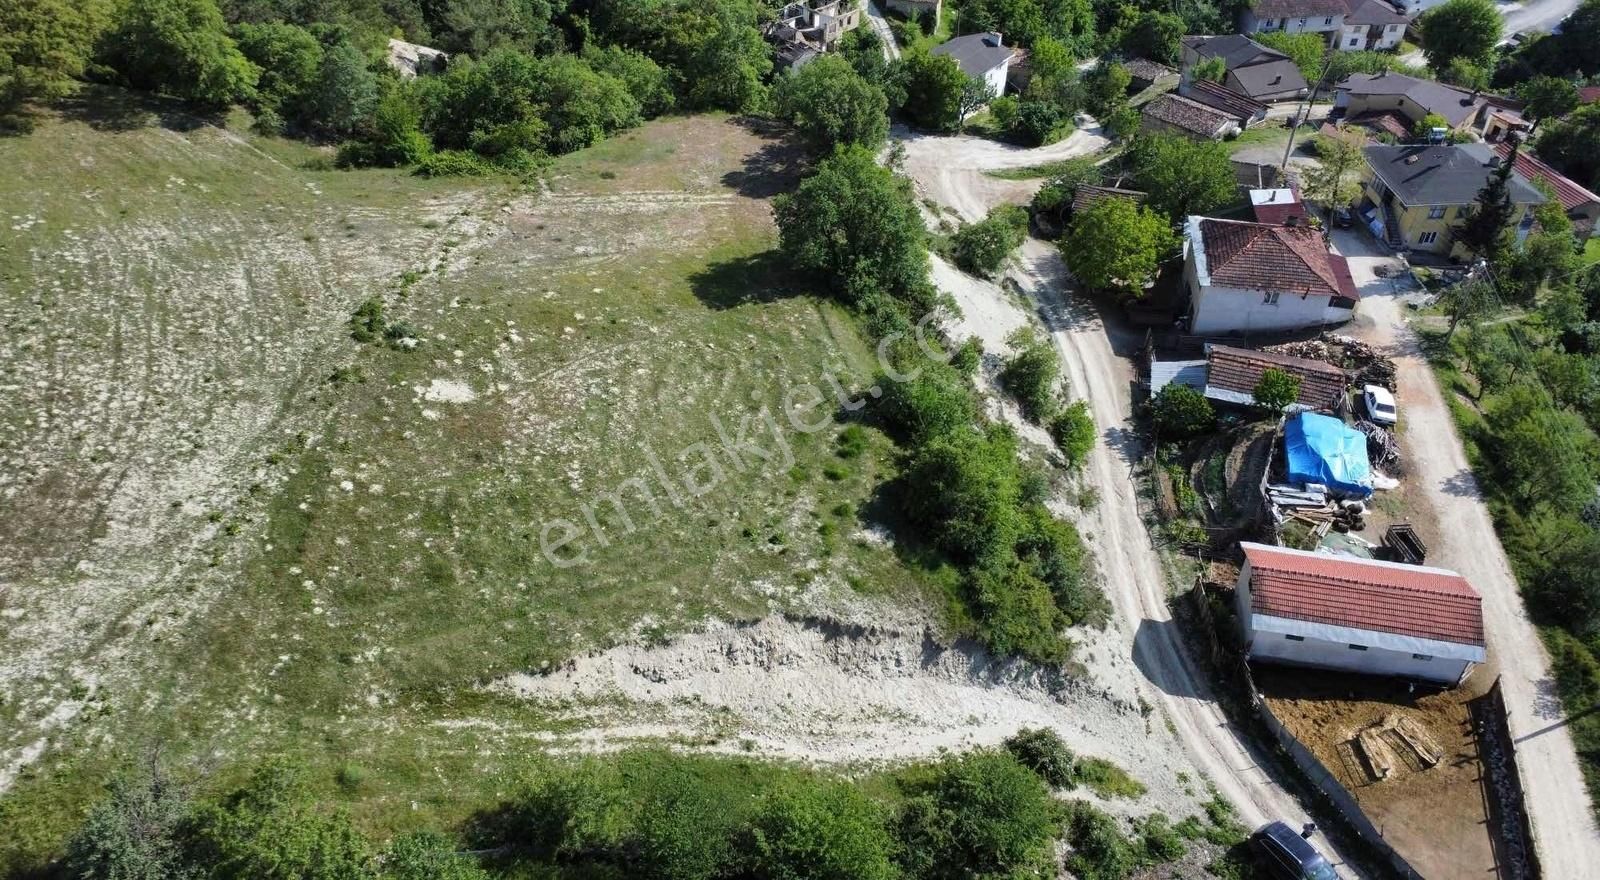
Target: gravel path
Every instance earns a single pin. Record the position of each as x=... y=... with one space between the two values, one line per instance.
x=891 y=49
x=1564 y=827
x=949 y=171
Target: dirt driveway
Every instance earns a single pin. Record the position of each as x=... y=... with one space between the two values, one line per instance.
x=1567 y=839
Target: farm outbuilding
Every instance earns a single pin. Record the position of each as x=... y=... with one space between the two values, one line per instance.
x=1302 y=608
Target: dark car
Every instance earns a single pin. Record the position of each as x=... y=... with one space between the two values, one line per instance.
x=1342 y=218
x=1289 y=856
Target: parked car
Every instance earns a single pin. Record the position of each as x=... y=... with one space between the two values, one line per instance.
x=1379 y=405
x=1289 y=856
x=1342 y=218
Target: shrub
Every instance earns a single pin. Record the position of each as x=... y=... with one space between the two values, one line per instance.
x=1106 y=779
x=139 y=831
x=852 y=441
x=1030 y=374
x=1042 y=751
x=820 y=831
x=1099 y=849
x=963 y=488
x=939 y=401
x=1157 y=841
x=981 y=248
x=1180 y=411
x=1276 y=390
x=1074 y=431
x=366 y=322
x=979 y=814
x=455 y=163
x=427 y=855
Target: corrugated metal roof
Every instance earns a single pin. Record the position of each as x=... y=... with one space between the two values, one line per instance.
x=1164 y=373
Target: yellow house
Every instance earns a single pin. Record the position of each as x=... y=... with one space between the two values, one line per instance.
x=1414 y=196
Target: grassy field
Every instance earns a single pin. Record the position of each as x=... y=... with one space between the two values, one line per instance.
x=233 y=530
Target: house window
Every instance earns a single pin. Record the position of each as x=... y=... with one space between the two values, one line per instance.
x=1355 y=41
x=1393 y=28
x=1302 y=22
x=1270 y=298
x=1328 y=20
x=1422 y=657
x=1295 y=638
x=1436 y=212
x=1358 y=647
x=1428 y=238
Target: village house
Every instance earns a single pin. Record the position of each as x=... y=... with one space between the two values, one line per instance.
x=1176 y=114
x=1414 y=196
x=1325 y=17
x=1253 y=70
x=1244 y=110
x=1581 y=205
x=1147 y=74
x=1363 y=95
x=804 y=30
x=1372 y=26
x=1262 y=278
x=1282 y=205
x=981 y=56
x=1359 y=615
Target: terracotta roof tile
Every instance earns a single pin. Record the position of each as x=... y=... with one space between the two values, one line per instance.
x=1239 y=369
x=1568 y=192
x=1188 y=115
x=1262 y=256
x=1429 y=603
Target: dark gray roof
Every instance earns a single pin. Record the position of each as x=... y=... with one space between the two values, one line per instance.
x=1295 y=8
x=976 y=53
x=1454 y=104
x=1442 y=175
x=1271 y=78
x=1372 y=12
x=1235 y=50
x=1242 y=107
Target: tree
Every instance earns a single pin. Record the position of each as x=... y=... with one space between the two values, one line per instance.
x=1214 y=69
x=346 y=92
x=1548 y=253
x=934 y=87
x=271 y=830
x=1548 y=98
x=1073 y=430
x=1466 y=302
x=1335 y=181
x=964 y=488
x=938 y=401
x=427 y=855
x=1572 y=145
x=583 y=106
x=1180 y=411
x=829 y=104
x=1182 y=176
x=1155 y=36
x=1466 y=29
x=1105 y=87
x=1542 y=456
x=683 y=829
x=1030 y=374
x=1466 y=74
x=45 y=45
x=821 y=831
x=1306 y=50
x=982 y=248
x=975 y=92
x=478 y=27
x=1486 y=227
x=1117 y=245
x=139 y=831
x=180 y=48
x=857 y=224
x=290 y=59
x=981 y=814
x=646 y=80
x=1042 y=751
x=1276 y=390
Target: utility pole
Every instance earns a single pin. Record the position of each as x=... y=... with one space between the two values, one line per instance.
x=1327 y=67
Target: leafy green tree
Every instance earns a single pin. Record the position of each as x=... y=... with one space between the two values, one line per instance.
x=1485 y=228
x=1276 y=390
x=393 y=137
x=964 y=489
x=346 y=92
x=1466 y=74
x=45 y=45
x=1466 y=29
x=181 y=48
x=934 y=85
x=1042 y=751
x=1572 y=145
x=684 y=830
x=1123 y=122
x=1073 y=430
x=982 y=814
x=1155 y=36
x=427 y=855
x=1182 y=176
x=290 y=59
x=1105 y=87
x=715 y=53
x=1335 y=181
x=1567 y=590
x=477 y=27
x=1306 y=50
x=982 y=248
x=856 y=223
x=1549 y=253
x=1118 y=246
x=830 y=104
x=1542 y=456
x=140 y=831
x=1466 y=302
x=1548 y=97
x=1213 y=69
x=583 y=105
x=1038 y=123
x=1180 y=411
x=1030 y=374
x=646 y=80
x=272 y=830
x=821 y=831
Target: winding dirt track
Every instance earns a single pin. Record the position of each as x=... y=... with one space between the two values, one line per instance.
x=949 y=171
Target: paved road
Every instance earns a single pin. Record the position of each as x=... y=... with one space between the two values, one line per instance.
x=1539 y=15
x=1567 y=839
x=949 y=171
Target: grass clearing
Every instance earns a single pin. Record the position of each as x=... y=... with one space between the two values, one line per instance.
x=291 y=542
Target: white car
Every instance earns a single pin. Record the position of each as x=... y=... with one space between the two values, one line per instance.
x=1379 y=404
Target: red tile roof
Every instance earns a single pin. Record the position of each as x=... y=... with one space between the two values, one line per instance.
x=1279 y=212
x=1568 y=192
x=1239 y=369
x=1428 y=603
x=1264 y=256
x=1589 y=94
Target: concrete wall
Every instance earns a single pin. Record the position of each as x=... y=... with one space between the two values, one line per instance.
x=1358 y=37
x=1218 y=310
x=1319 y=24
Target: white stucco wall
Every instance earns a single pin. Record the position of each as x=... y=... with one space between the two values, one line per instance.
x=996 y=78
x=1250 y=24
x=1217 y=310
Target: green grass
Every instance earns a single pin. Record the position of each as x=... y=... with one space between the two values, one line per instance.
x=1263 y=136
x=1591 y=251
x=368 y=558
x=1041 y=171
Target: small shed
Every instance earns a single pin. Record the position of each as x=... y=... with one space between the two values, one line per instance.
x=1320 y=610
x=1233 y=373
x=1281 y=205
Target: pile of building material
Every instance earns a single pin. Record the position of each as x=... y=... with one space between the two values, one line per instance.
x=1382 y=449
x=1366 y=364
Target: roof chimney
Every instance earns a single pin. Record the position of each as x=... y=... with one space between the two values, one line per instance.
x=1494 y=162
x=993 y=39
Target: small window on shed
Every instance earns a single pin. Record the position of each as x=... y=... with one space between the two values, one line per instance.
x=1358 y=647
x=1295 y=638
x=1422 y=657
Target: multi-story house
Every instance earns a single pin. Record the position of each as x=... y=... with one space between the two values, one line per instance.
x=1413 y=197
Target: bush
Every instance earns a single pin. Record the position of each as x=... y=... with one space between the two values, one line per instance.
x=979 y=814
x=272 y=830
x=1074 y=431
x=1276 y=390
x=1157 y=841
x=455 y=163
x=427 y=855
x=982 y=248
x=1030 y=374
x=963 y=488
x=938 y=401
x=1042 y=751
x=140 y=831
x=1099 y=849
x=1180 y=411
x=820 y=831
x=1106 y=779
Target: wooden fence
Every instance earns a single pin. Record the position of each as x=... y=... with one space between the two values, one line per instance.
x=1510 y=827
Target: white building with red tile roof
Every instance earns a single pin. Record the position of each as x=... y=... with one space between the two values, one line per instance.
x=1262 y=278
x=1358 y=615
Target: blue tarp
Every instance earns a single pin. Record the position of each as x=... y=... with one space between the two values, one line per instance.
x=1320 y=449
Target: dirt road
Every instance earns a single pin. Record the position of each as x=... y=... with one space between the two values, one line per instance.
x=1567 y=838
x=949 y=171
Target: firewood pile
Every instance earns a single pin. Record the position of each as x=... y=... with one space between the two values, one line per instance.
x=1366 y=364
x=1382 y=450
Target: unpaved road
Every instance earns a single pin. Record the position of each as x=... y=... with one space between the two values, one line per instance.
x=949 y=171
x=891 y=49
x=1568 y=841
